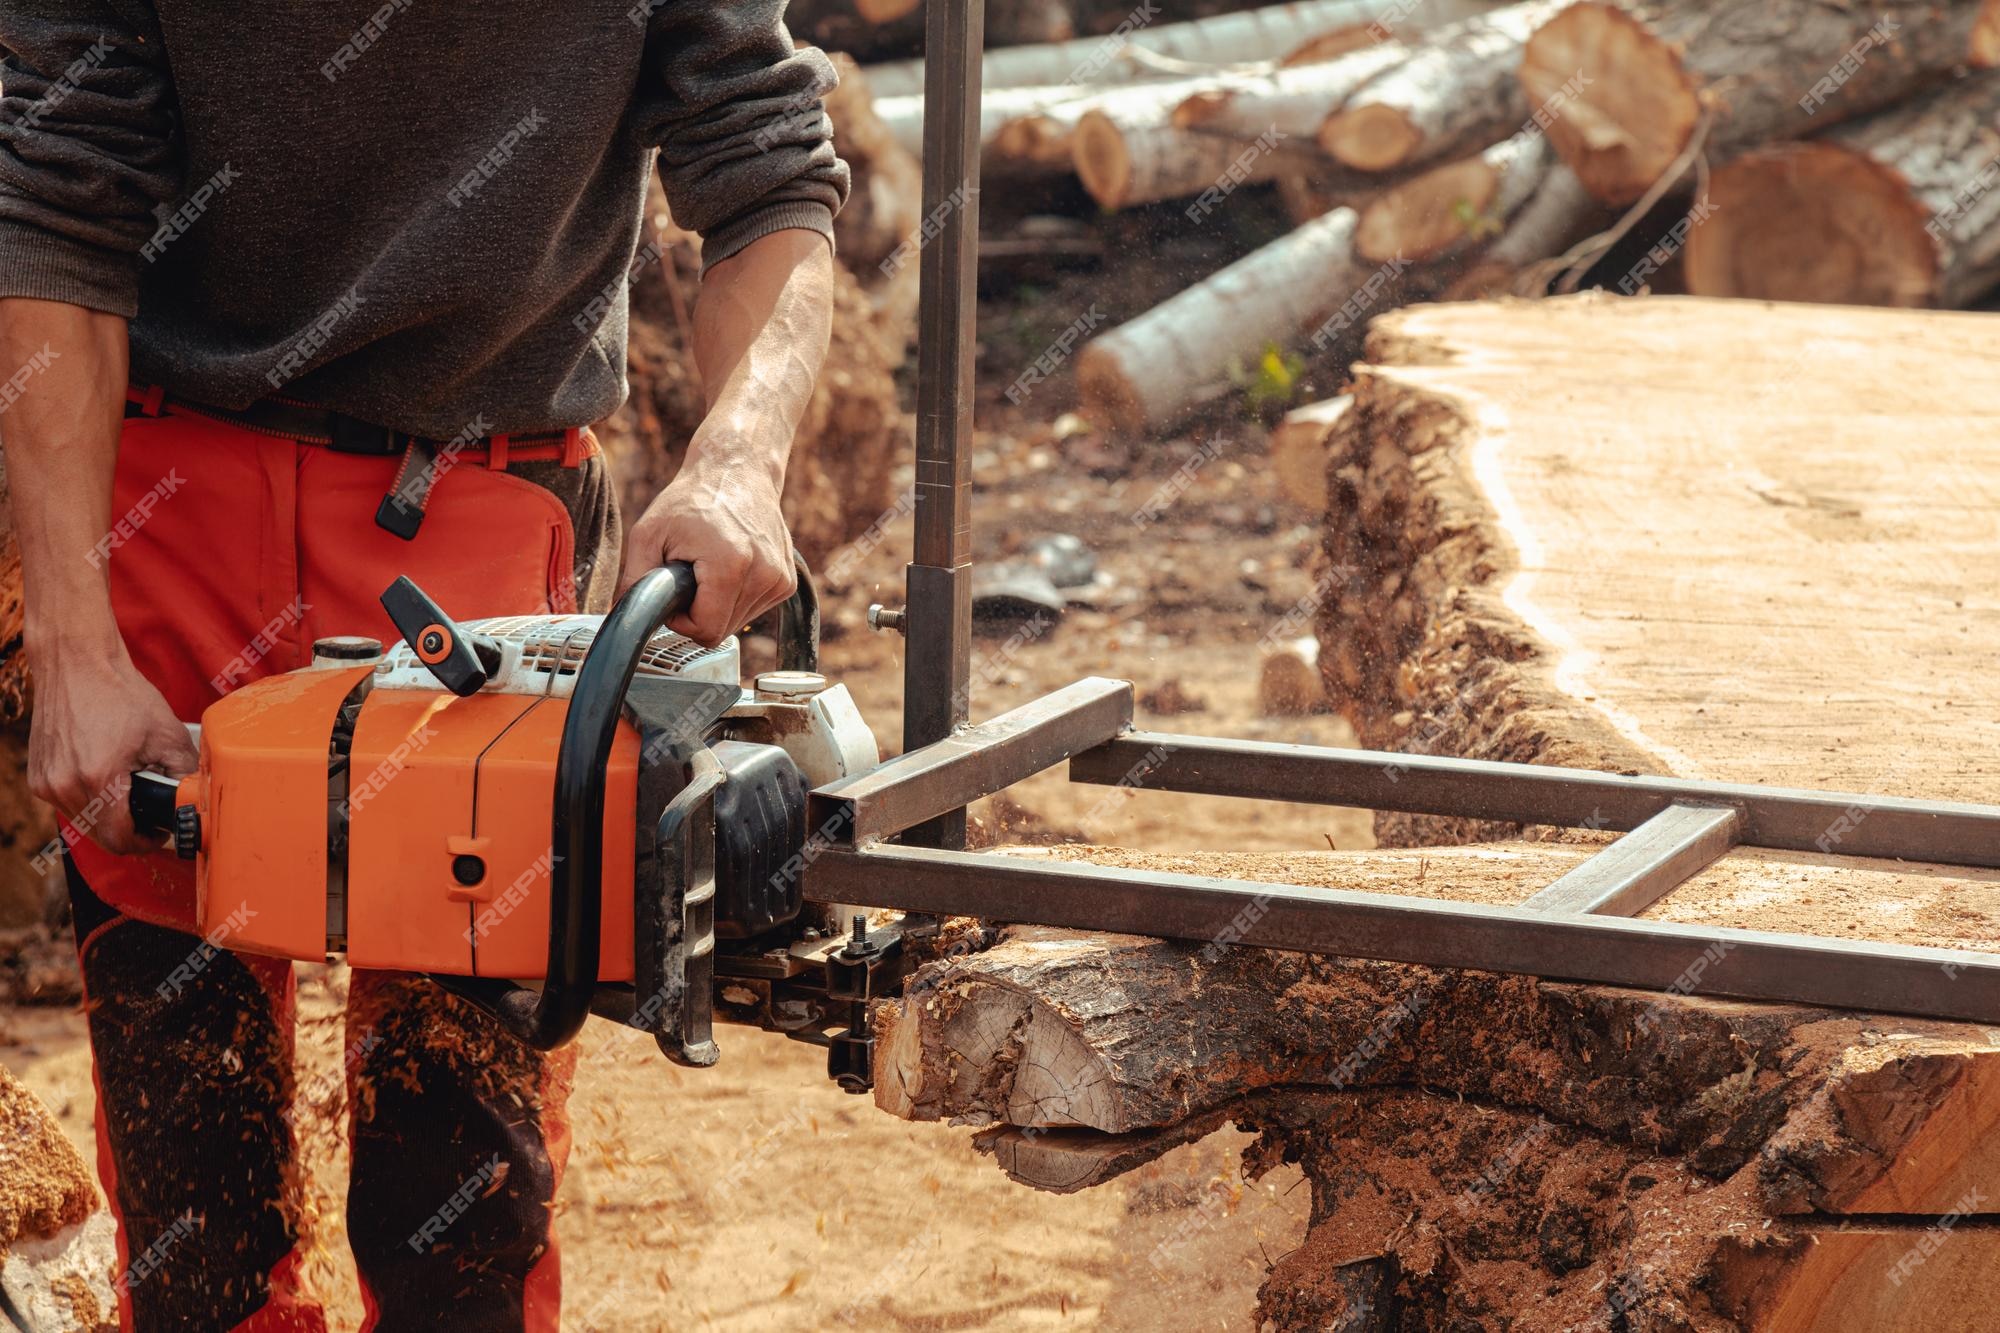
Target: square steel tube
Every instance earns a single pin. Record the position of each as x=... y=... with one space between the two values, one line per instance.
x=1788 y=819
x=971 y=762
x=1618 y=951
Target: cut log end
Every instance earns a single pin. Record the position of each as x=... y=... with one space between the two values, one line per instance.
x=1370 y=137
x=1813 y=222
x=1107 y=393
x=1332 y=45
x=1428 y=215
x=1986 y=36
x=1103 y=161
x=1621 y=106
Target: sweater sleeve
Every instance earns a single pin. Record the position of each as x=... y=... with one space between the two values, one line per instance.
x=89 y=148
x=745 y=145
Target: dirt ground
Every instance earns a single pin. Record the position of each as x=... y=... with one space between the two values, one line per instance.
x=758 y=1196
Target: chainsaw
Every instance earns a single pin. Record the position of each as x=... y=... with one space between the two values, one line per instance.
x=553 y=816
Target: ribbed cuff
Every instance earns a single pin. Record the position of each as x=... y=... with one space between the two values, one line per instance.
x=785 y=215
x=42 y=264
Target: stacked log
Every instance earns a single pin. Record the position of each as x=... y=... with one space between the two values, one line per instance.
x=1629 y=88
x=1899 y=209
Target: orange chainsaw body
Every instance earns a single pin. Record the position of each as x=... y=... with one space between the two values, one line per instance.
x=446 y=811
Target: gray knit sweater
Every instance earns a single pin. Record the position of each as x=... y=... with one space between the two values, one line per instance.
x=419 y=212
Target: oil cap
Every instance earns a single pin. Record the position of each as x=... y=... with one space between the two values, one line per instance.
x=790 y=684
x=345 y=650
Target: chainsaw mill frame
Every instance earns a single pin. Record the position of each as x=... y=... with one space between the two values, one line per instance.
x=895 y=837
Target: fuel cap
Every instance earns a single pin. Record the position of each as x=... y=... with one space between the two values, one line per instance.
x=790 y=683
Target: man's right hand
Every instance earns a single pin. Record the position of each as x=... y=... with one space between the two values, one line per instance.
x=96 y=718
x=96 y=721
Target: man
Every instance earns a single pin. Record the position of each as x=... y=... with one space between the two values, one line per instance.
x=369 y=260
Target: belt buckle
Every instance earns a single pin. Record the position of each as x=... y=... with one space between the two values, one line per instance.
x=359 y=437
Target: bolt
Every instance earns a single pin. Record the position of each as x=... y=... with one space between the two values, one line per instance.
x=860 y=930
x=886 y=617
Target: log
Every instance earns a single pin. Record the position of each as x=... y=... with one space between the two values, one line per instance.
x=1458 y=207
x=1149 y=370
x=1765 y=567
x=1898 y=209
x=1296 y=99
x=1124 y=161
x=903 y=114
x=1288 y=680
x=1243 y=37
x=1298 y=450
x=1458 y=92
x=1626 y=90
x=1522 y=259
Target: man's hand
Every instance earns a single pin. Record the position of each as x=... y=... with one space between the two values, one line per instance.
x=722 y=515
x=760 y=333
x=96 y=718
x=95 y=722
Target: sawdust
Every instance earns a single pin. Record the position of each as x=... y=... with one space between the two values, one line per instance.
x=44 y=1185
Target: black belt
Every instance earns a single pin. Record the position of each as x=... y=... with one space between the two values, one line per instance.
x=402 y=509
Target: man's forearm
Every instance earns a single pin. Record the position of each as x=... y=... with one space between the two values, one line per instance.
x=760 y=334
x=64 y=368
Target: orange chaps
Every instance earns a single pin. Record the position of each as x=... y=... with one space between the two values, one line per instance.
x=230 y=552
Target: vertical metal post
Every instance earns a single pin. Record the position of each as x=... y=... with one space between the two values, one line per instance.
x=937 y=663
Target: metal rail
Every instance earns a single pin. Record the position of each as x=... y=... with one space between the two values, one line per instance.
x=1653 y=955
x=1645 y=865
x=1785 y=818
x=972 y=762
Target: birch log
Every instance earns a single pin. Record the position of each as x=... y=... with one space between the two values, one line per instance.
x=1296 y=99
x=1900 y=209
x=1457 y=92
x=1626 y=90
x=1149 y=370
x=1125 y=165
x=1561 y=214
x=1454 y=208
x=904 y=114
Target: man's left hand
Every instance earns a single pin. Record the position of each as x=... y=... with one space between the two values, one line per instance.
x=722 y=515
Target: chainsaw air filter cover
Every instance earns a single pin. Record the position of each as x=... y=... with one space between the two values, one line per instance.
x=760 y=831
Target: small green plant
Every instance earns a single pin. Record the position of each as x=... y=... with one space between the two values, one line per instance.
x=1478 y=226
x=1271 y=384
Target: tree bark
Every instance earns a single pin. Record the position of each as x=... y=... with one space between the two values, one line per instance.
x=1627 y=89
x=1124 y=162
x=1456 y=93
x=1898 y=209
x=1149 y=370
